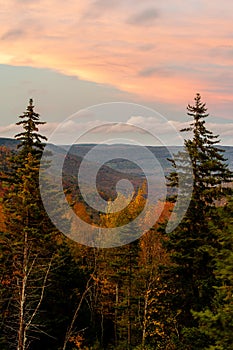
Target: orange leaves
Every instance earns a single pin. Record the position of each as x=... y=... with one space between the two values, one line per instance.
x=6 y=282
x=80 y=209
x=167 y=209
x=77 y=340
x=2 y=220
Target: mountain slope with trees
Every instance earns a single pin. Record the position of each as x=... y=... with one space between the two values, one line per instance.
x=163 y=291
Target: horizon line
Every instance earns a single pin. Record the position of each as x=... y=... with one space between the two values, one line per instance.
x=106 y=144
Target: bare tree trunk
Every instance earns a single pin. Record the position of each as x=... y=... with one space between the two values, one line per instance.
x=116 y=315
x=22 y=296
x=129 y=302
x=25 y=320
x=144 y=323
x=102 y=328
x=71 y=326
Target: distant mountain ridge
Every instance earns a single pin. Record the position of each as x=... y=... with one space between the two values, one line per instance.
x=111 y=164
x=118 y=151
x=7 y=142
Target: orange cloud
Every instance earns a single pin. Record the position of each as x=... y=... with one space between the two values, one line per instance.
x=163 y=53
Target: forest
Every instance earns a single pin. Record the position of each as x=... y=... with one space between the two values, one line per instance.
x=163 y=291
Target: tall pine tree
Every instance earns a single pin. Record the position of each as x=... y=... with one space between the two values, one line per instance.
x=26 y=248
x=189 y=279
x=30 y=139
x=217 y=321
x=41 y=281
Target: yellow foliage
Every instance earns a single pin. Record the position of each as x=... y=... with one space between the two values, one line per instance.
x=77 y=340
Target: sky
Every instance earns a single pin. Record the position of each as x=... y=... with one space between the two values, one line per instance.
x=69 y=56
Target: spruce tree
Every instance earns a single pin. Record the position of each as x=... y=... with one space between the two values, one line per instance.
x=217 y=320
x=26 y=247
x=41 y=282
x=30 y=139
x=189 y=280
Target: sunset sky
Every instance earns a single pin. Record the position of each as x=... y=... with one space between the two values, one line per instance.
x=71 y=55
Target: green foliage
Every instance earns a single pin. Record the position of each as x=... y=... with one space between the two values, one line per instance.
x=30 y=139
x=169 y=293
x=189 y=280
x=217 y=321
x=27 y=248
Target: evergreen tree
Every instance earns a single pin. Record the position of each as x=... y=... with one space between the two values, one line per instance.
x=189 y=280
x=217 y=321
x=30 y=139
x=26 y=248
x=42 y=282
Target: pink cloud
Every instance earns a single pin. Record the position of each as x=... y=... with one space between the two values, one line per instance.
x=173 y=45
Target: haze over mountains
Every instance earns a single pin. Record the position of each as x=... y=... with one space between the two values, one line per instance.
x=120 y=152
x=106 y=165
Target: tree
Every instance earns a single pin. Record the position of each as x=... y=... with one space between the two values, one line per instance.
x=217 y=321
x=189 y=279
x=152 y=254
x=30 y=139
x=26 y=249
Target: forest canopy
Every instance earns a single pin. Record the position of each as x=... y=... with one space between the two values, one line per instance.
x=166 y=290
